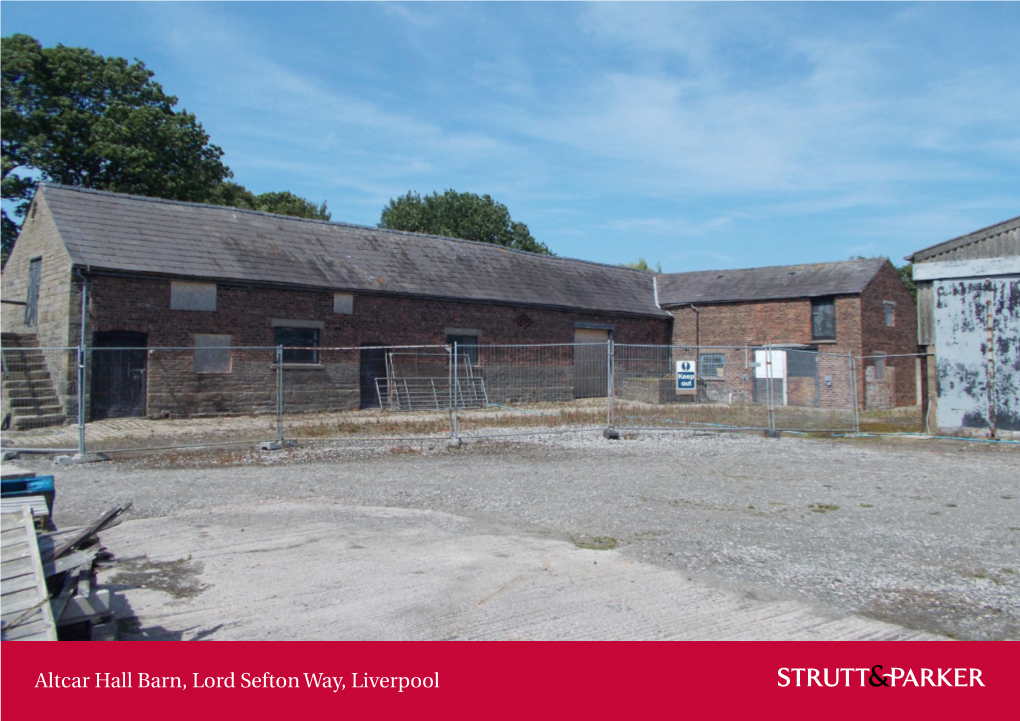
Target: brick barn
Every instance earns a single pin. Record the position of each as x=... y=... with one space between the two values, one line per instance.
x=858 y=307
x=168 y=274
x=185 y=305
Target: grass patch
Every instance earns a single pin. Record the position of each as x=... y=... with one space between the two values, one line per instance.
x=867 y=505
x=595 y=543
x=823 y=507
x=982 y=574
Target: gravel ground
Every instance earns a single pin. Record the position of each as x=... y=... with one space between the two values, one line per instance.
x=924 y=534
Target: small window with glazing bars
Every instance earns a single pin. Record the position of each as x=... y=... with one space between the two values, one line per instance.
x=300 y=345
x=823 y=318
x=712 y=365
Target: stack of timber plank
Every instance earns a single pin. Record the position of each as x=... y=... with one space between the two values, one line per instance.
x=25 y=613
x=48 y=584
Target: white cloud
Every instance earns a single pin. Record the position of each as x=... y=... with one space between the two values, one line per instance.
x=664 y=116
x=408 y=14
x=839 y=124
x=674 y=227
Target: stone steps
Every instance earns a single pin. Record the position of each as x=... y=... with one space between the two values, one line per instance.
x=20 y=390
x=28 y=375
x=21 y=406
x=52 y=409
x=27 y=423
x=30 y=400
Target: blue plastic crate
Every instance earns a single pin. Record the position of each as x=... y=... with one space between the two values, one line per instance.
x=31 y=486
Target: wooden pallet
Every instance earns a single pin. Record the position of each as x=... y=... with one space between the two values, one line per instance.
x=26 y=614
x=36 y=505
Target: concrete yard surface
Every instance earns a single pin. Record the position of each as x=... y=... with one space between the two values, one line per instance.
x=412 y=539
x=315 y=571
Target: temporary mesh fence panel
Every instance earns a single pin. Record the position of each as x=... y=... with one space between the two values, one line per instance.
x=40 y=398
x=138 y=398
x=729 y=390
x=514 y=389
x=135 y=398
x=367 y=392
x=814 y=391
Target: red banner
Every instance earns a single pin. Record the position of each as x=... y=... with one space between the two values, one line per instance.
x=503 y=679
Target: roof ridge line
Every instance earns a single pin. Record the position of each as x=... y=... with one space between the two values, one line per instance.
x=770 y=267
x=189 y=203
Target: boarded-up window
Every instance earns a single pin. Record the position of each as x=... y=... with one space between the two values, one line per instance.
x=32 y=299
x=890 y=313
x=879 y=366
x=212 y=353
x=823 y=319
x=343 y=303
x=192 y=296
x=802 y=364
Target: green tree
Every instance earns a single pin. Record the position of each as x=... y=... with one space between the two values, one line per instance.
x=459 y=215
x=236 y=195
x=232 y=195
x=642 y=264
x=906 y=273
x=75 y=117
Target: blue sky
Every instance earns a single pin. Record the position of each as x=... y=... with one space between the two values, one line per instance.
x=702 y=136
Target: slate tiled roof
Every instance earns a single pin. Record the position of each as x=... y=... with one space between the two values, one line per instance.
x=110 y=231
x=812 y=280
x=996 y=241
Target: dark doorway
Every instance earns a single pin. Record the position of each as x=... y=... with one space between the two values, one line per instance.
x=119 y=375
x=373 y=365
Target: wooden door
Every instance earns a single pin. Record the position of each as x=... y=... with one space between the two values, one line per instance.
x=591 y=363
x=119 y=384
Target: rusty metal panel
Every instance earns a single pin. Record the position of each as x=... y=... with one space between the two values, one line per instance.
x=977 y=326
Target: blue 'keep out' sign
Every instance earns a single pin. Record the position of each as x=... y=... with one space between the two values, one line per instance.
x=686 y=375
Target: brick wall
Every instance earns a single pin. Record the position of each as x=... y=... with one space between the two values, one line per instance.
x=760 y=322
x=245 y=313
x=899 y=386
x=143 y=305
x=860 y=329
x=781 y=322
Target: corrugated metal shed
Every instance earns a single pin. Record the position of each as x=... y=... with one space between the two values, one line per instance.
x=1001 y=240
x=115 y=232
x=968 y=293
x=776 y=282
x=996 y=241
